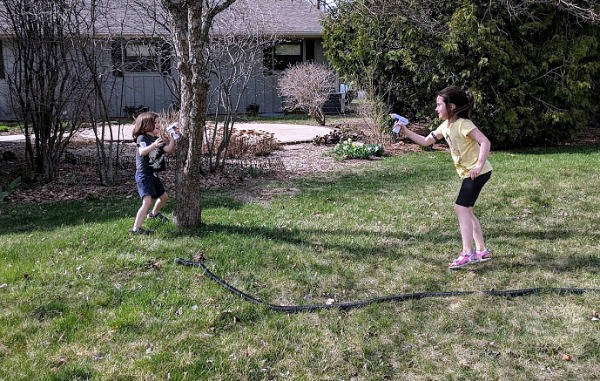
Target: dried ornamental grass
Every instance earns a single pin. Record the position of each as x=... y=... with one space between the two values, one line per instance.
x=247 y=143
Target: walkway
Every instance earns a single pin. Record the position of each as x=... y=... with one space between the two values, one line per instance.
x=284 y=133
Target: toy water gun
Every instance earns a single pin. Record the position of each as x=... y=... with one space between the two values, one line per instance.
x=172 y=130
x=400 y=120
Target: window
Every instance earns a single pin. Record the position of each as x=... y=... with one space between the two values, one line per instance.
x=2 y=73
x=141 y=56
x=285 y=54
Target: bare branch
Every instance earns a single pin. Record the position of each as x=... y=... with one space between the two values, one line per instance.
x=585 y=10
x=306 y=87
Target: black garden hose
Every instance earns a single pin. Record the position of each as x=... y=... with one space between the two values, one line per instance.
x=391 y=298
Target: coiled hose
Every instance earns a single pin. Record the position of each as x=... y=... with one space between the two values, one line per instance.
x=382 y=299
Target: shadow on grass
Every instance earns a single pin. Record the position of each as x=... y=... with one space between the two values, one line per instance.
x=538 y=234
x=519 y=266
x=305 y=238
x=31 y=217
x=580 y=262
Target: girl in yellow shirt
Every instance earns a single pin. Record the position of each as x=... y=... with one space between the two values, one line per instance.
x=470 y=149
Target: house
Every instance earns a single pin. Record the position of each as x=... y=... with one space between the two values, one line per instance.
x=138 y=70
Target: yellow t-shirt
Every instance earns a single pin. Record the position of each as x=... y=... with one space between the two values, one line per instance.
x=464 y=150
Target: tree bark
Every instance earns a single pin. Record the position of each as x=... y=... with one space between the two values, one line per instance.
x=191 y=22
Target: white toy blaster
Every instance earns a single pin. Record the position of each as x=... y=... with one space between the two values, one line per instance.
x=171 y=130
x=399 y=119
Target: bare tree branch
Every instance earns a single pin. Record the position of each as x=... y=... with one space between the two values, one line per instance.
x=585 y=10
x=306 y=87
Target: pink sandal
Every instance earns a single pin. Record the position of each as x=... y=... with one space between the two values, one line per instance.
x=462 y=260
x=481 y=256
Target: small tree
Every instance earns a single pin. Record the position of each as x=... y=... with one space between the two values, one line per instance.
x=235 y=57
x=190 y=24
x=94 y=47
x=306 y=87
x=48 y=82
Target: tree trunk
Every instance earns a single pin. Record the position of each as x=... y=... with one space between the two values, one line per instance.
x=191 y=22
x=189 y=46
x=319 y=116
x=188 y=208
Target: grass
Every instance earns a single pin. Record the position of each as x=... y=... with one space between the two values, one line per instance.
x=81 y=300
x=12 y=127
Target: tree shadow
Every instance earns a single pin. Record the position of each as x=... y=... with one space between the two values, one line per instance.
x=305 y=237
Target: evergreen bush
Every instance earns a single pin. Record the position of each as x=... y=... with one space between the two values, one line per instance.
x=534 y=74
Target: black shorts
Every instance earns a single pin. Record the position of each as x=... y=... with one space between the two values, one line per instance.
x=149 y=184
x=470 y=189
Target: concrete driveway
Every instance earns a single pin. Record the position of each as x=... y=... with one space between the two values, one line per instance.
x=284 y=133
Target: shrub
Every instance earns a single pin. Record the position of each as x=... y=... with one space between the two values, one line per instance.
x=306 y=87
x=253 y=109
x=244 y=143
x=133 y=111
x=349 y=149
x=340 y=134
x=534 y=73
x=9 y=188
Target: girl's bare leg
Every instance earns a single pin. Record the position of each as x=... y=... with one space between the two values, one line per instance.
x=467 y=227
x=142 y=211
x=160 y=202
x=478 y=234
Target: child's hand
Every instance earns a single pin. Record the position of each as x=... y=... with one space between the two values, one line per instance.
x=174 y=131
x=398 y=127
x=159 y=142
x=475 y=171
x=399 y=119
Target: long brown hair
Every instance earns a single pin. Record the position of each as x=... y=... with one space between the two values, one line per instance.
x=145 y=122
x=460 y=98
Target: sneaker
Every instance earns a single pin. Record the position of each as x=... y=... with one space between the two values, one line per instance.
x=481 y=256
x=141 y=231
x=462 y=260
x=159 y=216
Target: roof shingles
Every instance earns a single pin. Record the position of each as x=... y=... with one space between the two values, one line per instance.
x=297 y=18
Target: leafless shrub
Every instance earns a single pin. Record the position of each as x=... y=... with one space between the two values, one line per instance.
x=246 y=143
x=306 y=87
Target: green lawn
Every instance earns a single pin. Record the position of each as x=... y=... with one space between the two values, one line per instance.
x=82 y=300
x=12 y=127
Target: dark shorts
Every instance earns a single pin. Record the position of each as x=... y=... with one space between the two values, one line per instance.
x=470 y=189
x=149 y=184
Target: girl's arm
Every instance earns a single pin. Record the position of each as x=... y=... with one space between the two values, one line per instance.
x=484 y=150
x=174 y=130
x=146 y=150
x=169 y=148
x=419 y=139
